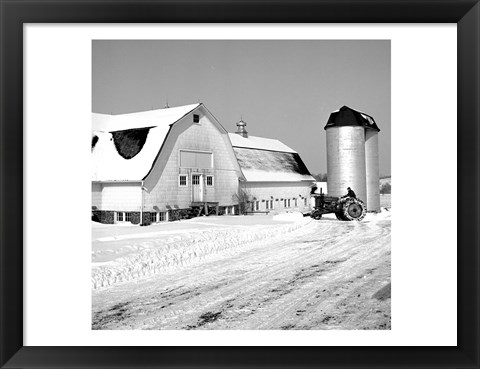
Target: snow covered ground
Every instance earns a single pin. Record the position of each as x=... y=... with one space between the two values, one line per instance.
x=243 y=272
x=131 y=252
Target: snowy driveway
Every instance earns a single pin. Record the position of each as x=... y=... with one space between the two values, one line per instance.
x=325 y=274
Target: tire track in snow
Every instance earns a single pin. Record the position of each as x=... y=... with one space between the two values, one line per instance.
x=208 y=285
x=288 y=305
x=256 y=296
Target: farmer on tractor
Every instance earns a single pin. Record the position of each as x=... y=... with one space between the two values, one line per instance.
x=347 y=207
x=350 y=193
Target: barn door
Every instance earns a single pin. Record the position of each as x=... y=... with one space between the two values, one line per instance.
x=197 y=188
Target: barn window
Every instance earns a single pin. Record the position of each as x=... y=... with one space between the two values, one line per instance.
x=195 y=179
x=296 y=204
x=182 y=180
x=288 y=202
x=271 y=204
x=285 y=203
x=123 y=216
x=209 y=181
x=196 y=118
x=160 y=216
x=267 y=205
x=257 y=205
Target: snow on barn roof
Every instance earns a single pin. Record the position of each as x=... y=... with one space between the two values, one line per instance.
x=253 y=142
x=149 y=118
x=125 y=146
x=346 y=116
x=268 y=160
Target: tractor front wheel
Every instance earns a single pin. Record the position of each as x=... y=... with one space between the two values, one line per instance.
x=317 y=215
x=354 y=209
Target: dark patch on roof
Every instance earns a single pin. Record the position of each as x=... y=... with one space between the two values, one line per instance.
x=94 y=141
x=346 y=116
x=270 y=161
x=130 y=142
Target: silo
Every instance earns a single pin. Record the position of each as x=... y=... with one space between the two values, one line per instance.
x=352 y=156
x=372 y=167
x=346 y=154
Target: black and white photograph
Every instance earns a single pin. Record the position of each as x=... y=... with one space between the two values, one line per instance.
x=241 y=185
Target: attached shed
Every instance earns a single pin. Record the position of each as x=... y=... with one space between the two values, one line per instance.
x=275 y=176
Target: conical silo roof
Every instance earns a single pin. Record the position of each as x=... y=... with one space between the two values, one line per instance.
x=346 y=116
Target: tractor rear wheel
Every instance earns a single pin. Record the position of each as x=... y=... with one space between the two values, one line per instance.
x=354 y=209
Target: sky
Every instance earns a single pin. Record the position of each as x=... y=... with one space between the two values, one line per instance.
x=282 y=89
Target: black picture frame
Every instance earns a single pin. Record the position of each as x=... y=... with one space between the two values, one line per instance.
x=15 y=13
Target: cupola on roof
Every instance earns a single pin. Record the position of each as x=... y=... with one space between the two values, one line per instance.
x=241 y=130
x=346 y=116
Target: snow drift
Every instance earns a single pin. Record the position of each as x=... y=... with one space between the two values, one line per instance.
x=185 y=249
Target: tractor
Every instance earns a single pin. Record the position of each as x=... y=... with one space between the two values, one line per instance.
x=345 y=208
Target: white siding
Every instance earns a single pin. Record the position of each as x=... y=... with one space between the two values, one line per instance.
x=97 y=195
x=162 y=182
x=285 y=190
x=121 y=196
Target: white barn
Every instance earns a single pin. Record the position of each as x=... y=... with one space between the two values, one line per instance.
x=157 y=165
x=275 y=176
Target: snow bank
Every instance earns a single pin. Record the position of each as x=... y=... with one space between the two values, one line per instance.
x=182 y=250
x=383 y=215
x=289 y=216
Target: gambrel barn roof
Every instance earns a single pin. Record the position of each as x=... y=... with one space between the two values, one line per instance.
x=268 y=160
x=125 y=146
